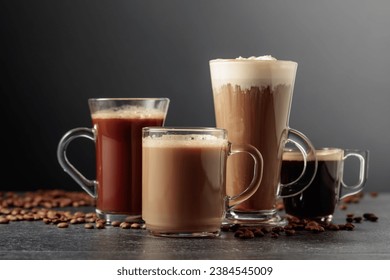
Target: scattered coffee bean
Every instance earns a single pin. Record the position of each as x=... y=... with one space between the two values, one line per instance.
x=238 y=233
x=349 y=226
x=4 y=220
x=370 y=217
x=125 y=225
x=88 y=226
x=373 y=194
x=135 y=226
x=100 y=225
x=289 y=232
x=333 y=227
x=115 y=223
x=357 y=219
x=62 y=225
x=258 y=233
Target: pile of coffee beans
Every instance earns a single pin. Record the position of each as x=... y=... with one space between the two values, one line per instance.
x=293 y=227
x=296 y=225
x=43 y=205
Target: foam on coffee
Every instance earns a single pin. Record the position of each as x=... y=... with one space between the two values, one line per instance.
x=245 y=72
x=325 y=154
x=193 y=140
x=129 y=112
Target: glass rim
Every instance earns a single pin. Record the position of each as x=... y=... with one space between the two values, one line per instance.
x=128 y=98
x=183 y=129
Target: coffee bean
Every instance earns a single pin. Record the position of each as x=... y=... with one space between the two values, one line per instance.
x=4 y=220
x=115 y=223
x=238 y=233
x=245 y=234
x=370 y=217
x=125 y=225
x=100 y=225
x=357 y=219
x=333 y=227
x=62 y=225
x=258 y=233
x=135 y=226
x=289 y=232
x=349 y=226
x=88 y=226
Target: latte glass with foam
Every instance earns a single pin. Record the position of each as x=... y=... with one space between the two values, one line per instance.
x=252 y=101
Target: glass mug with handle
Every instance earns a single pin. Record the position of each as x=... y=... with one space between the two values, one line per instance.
x=184 y=180
x=319 y=200
x=252 y=100
x=117 y=129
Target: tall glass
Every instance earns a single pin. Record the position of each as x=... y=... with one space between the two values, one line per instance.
x=252 y=100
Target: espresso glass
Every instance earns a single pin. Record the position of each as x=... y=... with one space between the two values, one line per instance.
x=117 y=129
x=319 y=200
x=184 y=180
x=252 y=101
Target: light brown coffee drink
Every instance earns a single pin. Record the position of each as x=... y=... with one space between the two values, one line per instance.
x=184 y=180
x=260 y=115
x=183 y=188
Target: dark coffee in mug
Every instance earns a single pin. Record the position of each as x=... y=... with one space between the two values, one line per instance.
x=320 y=198
x=318 y=201
x=117 y=134
x=118 y=159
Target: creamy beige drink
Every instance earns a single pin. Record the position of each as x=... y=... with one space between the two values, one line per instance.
x=183 y=183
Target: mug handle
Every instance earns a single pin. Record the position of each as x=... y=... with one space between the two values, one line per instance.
x=308 y=152
x=362 y=156
x=232 y=201
x=88 y=185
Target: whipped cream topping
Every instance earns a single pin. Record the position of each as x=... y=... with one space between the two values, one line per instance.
x=263 y=57
x=252 y=71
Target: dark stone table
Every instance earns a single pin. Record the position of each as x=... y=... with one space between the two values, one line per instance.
x=35 y=240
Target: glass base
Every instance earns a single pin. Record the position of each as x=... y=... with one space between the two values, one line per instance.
x=186 y=234
x=264 y=218
x=110 y=217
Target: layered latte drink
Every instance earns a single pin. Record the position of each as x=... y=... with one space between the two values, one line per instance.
x=252 y=100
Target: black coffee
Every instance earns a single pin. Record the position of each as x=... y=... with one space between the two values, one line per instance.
x=320 y=198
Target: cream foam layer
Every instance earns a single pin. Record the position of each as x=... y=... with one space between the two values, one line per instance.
x=252 y=71
x=190 y=140
x=129 y=112
x=322 y=155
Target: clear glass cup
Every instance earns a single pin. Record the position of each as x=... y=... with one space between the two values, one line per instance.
x=319 y=200
x=184 y=180
x=117 y=129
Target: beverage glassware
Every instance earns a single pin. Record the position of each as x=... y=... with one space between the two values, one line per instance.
x=252 y=100
x=319 y=200
x=184 y=180
x=117 y=128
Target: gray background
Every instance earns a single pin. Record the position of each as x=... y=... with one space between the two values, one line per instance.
x=54 y=55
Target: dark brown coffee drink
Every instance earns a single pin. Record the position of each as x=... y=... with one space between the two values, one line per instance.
x=319 y=200
x=183 y=183
x=258 y=116
x=118 y=159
